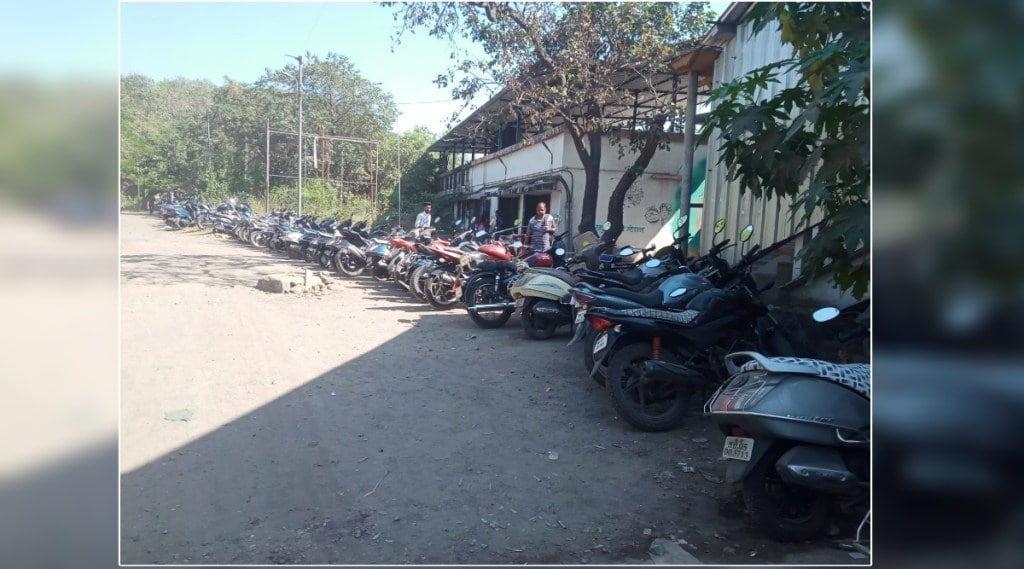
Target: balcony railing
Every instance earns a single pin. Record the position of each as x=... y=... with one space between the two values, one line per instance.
x=453 y=181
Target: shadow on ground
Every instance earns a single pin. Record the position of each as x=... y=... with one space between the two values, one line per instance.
x=448 y=444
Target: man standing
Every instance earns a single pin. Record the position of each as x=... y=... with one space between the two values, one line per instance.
x=423 y=217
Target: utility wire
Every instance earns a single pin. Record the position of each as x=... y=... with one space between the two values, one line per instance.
x=305 y=43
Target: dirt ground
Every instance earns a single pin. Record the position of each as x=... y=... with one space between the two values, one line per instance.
x=362 y=427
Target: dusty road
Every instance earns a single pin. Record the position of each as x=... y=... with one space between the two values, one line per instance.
x=361 y=427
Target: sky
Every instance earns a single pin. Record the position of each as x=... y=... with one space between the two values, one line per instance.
x=208 y=40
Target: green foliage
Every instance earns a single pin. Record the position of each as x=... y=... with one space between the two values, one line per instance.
x=209 y=141
x=811 y=141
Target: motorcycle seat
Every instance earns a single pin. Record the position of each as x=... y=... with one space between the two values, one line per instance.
x=497 y=266
x=649 y=299
x=632 y=277
x=851 y=376
x=557 y=273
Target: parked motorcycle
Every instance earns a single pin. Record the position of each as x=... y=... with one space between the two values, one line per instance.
x=623 y=286
x=658 y=357
x=487 y=293
x=798 y=438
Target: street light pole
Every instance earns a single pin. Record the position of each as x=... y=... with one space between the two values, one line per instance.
x=299 y=59
x=399 y=222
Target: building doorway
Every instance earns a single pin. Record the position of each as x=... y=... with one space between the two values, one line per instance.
x=508 y=210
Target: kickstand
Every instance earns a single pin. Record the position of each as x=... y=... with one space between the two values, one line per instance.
x=860 y=543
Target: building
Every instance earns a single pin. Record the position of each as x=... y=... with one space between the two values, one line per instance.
x=505 y=172
x=510 y=168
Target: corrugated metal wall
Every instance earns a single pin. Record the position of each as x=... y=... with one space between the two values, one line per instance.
x=723 y=199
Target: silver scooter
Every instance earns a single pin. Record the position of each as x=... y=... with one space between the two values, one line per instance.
x=798 y=436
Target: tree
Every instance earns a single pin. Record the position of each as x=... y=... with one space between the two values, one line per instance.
x=564 y=64
x=811 y=141
x=193 y=136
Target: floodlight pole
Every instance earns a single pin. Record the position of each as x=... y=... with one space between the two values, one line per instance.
x=299 y=59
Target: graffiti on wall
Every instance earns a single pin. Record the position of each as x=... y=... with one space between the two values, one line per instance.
x=658 y=214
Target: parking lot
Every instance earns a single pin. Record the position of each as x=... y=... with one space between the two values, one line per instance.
x=359 y=426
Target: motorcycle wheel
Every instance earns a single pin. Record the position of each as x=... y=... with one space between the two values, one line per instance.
x=439 y=294
x=536 y=327
x=483 y=292
x=781 y=511
x=347 y=265
x=417 y=280
x=651 y=407
x=309 y=254
x=202 y=222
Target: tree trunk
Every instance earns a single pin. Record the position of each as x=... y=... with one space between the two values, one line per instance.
x=592 y=182
x=616 y=202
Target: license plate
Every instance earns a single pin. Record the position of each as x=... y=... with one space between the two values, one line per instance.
x=738 y=448
x=580 y=315
x=601 y=342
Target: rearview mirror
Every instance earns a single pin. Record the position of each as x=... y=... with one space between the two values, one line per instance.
x=825 y=314
x=653 y=263
x=747 y=232
x=472 y=219
x=719 y=226
x=516 y=222
x=626 y=251
x=683 y=220
x=559 y=251
x=437 y=219
x=481 y=233
x=607 y=225
x=517 y=244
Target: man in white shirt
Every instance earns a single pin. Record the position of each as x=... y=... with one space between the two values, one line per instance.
x=423 y=217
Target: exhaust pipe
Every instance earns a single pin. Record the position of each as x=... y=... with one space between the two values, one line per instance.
x=495 y=306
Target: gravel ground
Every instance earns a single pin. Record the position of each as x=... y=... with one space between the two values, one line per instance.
x=358 y=426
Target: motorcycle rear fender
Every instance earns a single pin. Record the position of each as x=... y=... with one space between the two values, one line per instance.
x=737 y=470
x=616 y=341
x=581 y=330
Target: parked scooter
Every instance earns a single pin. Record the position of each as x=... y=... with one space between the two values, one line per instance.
x=798 y=436
x=544 y=300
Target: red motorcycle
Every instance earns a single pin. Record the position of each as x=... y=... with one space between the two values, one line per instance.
x=486 y=291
